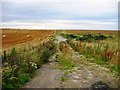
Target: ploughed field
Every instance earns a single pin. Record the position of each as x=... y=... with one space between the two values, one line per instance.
x=12 y=37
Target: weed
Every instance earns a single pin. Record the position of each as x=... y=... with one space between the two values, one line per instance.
x=63 y=78
x=66 y=73
x=65 y=62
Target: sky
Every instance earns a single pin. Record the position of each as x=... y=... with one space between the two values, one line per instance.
x=60 y=14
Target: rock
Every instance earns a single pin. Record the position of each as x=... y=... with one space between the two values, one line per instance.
x=75 y=81
x=75 y=68
x=74 y=73
x=86 y=82
x=75 y=77
x=90 y=76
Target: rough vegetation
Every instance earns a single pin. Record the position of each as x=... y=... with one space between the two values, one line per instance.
x=99 y=48
x=19 y=65
x=82 y=61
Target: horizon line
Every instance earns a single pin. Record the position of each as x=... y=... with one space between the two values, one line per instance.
x=64 y=29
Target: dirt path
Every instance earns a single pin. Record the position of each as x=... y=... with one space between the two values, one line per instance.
x=46 y=77
x=83 y=75
x=86 y=74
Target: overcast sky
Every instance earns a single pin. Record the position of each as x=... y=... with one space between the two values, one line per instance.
x=60 y=14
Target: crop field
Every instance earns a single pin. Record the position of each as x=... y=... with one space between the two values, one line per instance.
x=14 y=36
x=60 y=59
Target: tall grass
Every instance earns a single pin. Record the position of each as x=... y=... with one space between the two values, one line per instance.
x=65 y=61
x=19 y=65
x=64 y=58
x=64 y=48
x=100 y=49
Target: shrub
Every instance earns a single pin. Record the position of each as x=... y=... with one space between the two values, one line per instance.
x=46 y=50
x=45 y=55
x=51 y=46
x=87 y=37
x=71 y=36
x=24 y=78
x=71 y=42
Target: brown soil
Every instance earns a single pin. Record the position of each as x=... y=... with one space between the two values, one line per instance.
x=13 y=37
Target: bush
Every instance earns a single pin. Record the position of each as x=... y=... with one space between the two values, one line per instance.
x=87 y=37
x=24 y=78
x=71 y=36
x=45 y=55
x=51 y=46
x=46 y=50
